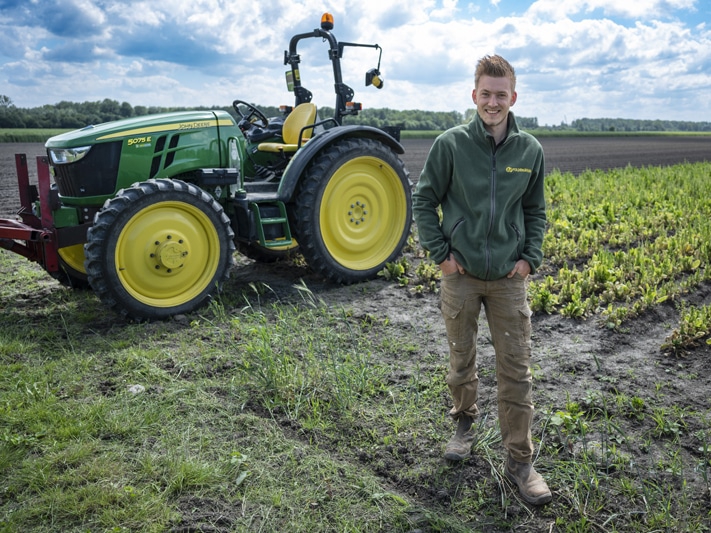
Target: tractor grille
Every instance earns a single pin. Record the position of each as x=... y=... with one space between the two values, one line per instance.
x=93 y=175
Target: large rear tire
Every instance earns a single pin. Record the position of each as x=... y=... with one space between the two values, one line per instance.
x=353 y=210
x=159 y=248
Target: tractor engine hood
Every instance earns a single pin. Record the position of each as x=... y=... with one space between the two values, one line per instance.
x=91 y=164
x=141 y=127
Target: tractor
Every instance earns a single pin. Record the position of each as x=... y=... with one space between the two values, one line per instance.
x=149 y=211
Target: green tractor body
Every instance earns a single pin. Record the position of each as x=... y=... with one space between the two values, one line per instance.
x=148 y=211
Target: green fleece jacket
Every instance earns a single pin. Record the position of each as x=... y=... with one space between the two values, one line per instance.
x=492 y=200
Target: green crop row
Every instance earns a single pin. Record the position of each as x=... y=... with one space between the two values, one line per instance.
x=622 y=241
x=618 y=243
x=694 y=325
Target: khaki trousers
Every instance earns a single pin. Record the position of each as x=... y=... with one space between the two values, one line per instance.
x=509 y=318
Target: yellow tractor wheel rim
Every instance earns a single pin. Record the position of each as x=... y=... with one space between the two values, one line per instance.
x=167 y=254
x=362 y=213
x=73 y=257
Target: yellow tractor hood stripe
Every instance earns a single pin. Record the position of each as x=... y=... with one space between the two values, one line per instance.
x=192 y=125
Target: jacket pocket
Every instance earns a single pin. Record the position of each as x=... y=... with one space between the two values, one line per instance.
x=516 y=231
x=456 y=226
x=519 y=240
x=450 y=309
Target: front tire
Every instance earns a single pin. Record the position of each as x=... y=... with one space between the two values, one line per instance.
x=354 y=210
x=159 y=248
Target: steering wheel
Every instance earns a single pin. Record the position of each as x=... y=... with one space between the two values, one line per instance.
x=254 y=117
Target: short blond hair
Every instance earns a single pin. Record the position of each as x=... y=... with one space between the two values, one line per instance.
x=496 y=67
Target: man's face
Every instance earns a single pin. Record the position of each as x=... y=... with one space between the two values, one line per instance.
x=493 y=98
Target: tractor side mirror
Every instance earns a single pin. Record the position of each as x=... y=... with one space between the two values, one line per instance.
x=372 y=77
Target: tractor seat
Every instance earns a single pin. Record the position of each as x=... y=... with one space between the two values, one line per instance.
x=303 y=115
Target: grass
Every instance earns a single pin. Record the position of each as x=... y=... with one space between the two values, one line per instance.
x=258 y=414
x=30 y=135
x=272 y=411
x=201 y=440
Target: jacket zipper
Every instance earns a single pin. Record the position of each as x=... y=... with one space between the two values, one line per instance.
x=494 y=148
x=492 y=201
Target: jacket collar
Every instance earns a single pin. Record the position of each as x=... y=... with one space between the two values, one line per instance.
x=476 y=125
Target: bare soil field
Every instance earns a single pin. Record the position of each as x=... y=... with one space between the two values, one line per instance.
x=567 y=154
x=573 y=359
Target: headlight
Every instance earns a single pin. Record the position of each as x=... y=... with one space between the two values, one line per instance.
x=68 y=155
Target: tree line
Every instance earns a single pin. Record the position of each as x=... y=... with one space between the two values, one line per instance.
x=77 y=115
x=72 y=115
x=620 y=124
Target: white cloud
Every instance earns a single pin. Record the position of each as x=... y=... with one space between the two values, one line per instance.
x=637 y=9
x=645 y=58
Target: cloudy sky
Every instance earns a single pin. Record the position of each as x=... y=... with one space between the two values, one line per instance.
x=644 y=59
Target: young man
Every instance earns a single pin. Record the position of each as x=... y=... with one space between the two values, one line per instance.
x=487 y=178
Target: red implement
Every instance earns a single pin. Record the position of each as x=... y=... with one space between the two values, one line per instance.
x=32 y=236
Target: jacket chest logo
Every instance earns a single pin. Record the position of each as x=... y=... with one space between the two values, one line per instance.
x=513 y=170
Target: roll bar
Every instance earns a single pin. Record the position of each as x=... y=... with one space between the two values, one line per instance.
x=344 y=94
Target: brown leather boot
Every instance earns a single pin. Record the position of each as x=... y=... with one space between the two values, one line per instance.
x=459 y=446
x=531 y=485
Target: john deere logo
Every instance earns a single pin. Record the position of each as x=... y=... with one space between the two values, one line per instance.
x=196 y=125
